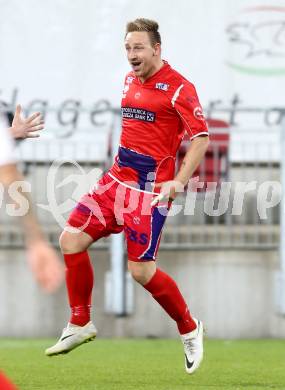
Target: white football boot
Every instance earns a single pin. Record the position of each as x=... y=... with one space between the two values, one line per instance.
x=193 y=347
x=72 y=336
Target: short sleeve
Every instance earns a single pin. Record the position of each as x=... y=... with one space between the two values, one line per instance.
x=7 y=152
x=186 y=102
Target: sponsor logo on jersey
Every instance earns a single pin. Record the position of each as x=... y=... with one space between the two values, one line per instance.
x=125 y=90
x=137 y=237
x=136 y=220
x=137 y=95
x=162 y=86
x=130 y=79
x=127 y=85
x=198 y=113
x=138 y=113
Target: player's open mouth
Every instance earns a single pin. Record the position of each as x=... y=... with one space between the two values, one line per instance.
x=136 y=65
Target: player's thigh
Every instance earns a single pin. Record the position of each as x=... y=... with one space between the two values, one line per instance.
x=143 y=231
x=94 y=214
x=84 y=227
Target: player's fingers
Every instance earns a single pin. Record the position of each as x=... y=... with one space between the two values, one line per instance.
x=50 y=284
x=157 y=199
x=154 y=202
x=44 y=277
x=36 y=128
x=18 y=110
x=31 y=118
x=37 y=121
x=39 y=275
x=53 y=277
x=32 y=135
x=158 y=185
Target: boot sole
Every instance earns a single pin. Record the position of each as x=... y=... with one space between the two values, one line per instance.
x=64 y=352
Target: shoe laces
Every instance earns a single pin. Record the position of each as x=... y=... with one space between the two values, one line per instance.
x=190 y=345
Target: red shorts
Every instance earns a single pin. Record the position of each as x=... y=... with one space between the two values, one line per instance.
x=114 y=207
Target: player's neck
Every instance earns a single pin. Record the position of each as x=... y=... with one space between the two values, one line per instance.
x=153 y=70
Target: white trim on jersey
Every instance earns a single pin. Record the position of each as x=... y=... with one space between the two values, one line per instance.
x=130 y=187
x=176 y=94
x=197 y=135
x=173 y=100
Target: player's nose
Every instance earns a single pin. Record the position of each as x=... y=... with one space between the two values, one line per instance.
x=132 y=56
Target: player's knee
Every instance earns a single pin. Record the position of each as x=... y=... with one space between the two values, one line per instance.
x=65 y=242
x=71 y=243
x=140 y=272
x=136 y=275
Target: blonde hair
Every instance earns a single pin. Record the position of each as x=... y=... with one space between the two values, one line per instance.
x=150 y=26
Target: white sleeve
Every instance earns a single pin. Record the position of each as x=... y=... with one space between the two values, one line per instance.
x=7 y=152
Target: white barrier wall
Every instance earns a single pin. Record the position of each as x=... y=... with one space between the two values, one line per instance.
x=231 y=291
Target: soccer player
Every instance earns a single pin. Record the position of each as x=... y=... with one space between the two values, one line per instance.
x=158 y=105
x=42 y=259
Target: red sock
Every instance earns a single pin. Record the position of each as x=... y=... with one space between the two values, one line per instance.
x=5 y=384
x=166 y=292
x=79 y=282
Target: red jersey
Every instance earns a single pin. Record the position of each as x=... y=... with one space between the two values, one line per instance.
x=155 y=116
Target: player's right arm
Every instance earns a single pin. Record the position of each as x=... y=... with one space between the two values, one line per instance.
x=42 y=259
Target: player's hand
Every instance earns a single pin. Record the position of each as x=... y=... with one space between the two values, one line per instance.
x=45 y=265
x=168 y=192
x=26 y=127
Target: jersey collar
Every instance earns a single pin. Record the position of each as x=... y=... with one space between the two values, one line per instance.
x=157 y=75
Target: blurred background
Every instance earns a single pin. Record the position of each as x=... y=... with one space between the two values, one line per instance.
x=67 y=60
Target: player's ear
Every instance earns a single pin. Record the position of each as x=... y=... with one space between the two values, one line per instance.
x=157 y=48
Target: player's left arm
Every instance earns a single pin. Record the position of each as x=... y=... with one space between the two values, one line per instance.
x=192 y=159
x=186 y=103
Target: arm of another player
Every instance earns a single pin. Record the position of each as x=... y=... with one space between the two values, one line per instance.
x=23 y=128
x=42 y=259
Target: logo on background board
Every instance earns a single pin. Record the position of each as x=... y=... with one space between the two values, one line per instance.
x=256 y=41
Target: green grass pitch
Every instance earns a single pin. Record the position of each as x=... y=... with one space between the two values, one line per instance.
x=145 y=364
